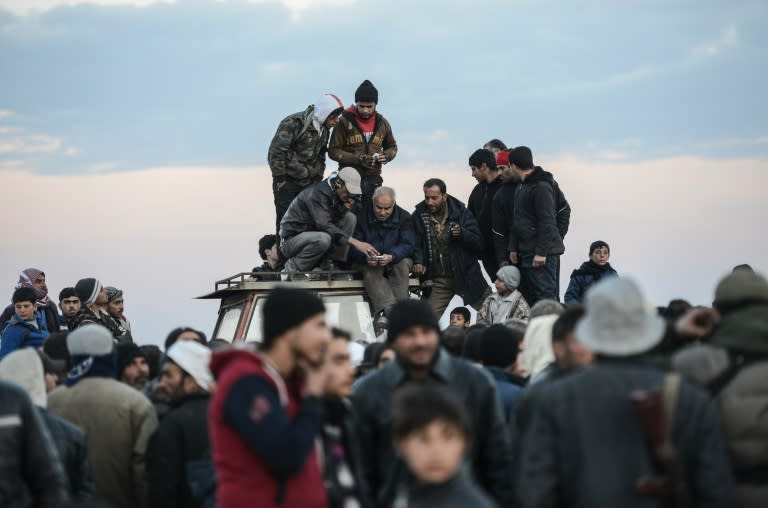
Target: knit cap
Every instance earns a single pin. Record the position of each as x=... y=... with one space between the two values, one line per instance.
x=88 y=290
x=366 y=92
x=287 y=308
x=90 y=340
x=510 y=276
x=407 y=313
x=193 y=358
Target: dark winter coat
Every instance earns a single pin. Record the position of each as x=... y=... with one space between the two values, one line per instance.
x=588 y=274
x=489 y=454
x=504 y=212
x=734 y=367
x=348 y=143
x=317 y=208
x=20 y=334
x=31 y=475
x=393 y=236
x=458 y=492
x=259 y=272
x=51 y=313
x=72 y=446
x=586 y=448
x=480 y=203
x=179 y=448
x=464 y=251
x=509 y=387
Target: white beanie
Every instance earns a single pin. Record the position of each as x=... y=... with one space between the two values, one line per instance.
x=193 y=358
x=90 y=340
x=25 y=368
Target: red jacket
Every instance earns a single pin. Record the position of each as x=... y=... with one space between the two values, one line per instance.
x=263 y=436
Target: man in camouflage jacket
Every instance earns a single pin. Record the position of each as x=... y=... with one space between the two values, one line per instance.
x=297 y=152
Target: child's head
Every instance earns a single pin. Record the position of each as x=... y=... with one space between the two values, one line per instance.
x=507 y=279
x=24 y=303
x=431 y=431
x=599 y=252
x=460 y=317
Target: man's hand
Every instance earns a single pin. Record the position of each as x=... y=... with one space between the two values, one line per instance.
x=382 y=159
x=455 y=230
x=366 y=160
x=697 y=322
x=387 y=260
x=363 y=247
x=539 y=261
x=419 y=269
x=513 y=258
x=315 y=376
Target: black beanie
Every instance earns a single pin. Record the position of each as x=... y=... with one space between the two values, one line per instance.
x=126 y=352
x=596 y=245
x=88 y=290
x=366 y=92
x=24 y=295
x=500 y=346
x=287 y=308
x=408 y=313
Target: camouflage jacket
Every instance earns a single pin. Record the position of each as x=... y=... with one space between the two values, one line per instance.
x=348 y=143
x=297 y=151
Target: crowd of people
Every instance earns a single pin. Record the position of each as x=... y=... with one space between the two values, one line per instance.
x=600 y=401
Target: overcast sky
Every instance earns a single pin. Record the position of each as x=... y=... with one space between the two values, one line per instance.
x=133 y=134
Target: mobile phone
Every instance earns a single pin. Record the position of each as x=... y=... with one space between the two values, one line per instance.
x=378 y=258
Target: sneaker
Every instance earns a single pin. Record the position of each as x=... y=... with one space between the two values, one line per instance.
x=380 y=323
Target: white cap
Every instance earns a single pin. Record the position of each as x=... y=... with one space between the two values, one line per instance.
x=194 y=359
x=351 y=179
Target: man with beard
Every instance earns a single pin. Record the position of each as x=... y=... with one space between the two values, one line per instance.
x=69 y=303
x=179 y=462
x=483 y=165
x=93 y=297
x=363 y=139
x=448 y=244
x=116 y=309
x=132 y=366
x=35 y=279
x=266 y=412
x=414 y=333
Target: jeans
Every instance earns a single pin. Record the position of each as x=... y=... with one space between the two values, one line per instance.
x=386 y=285
x=305 y=250
x=539 y=283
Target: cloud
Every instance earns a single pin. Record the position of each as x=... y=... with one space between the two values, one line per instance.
x=4 y=113
x=729 y=37
x=27 y=7
x=30 y=144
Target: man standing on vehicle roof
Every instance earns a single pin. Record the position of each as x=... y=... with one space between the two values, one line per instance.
x=363 y=139
x=297 y=152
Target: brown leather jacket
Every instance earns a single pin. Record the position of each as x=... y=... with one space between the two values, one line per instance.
x=348 y=143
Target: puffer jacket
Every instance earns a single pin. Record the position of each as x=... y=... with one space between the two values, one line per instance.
x=463 y=251
x=348 y=143
x=30 y=470
x=534 y=226
x=489 y=454
x=393 y=236
x=734 y=367
x=588 y=274
x=503 y=212
x=297 y=151
x=50 y=311
x=317 y=208
x=19 y=334
x=72 y=447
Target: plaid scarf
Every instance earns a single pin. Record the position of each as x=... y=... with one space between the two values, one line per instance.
x=27 y=279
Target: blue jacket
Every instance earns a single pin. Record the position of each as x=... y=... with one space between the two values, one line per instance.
x=508 y=387
x=393 y=236
x=583 y=278
x=20 y=334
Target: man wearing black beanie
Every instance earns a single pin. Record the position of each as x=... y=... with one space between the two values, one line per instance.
x=363 y=139
x=265 y=414
x=414 y=334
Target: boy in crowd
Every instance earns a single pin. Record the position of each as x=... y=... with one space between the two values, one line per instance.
x=431 y=431
x=26 y=328
x=269 y=253
x=507 y=302
x=460 y=317
x=590 y=272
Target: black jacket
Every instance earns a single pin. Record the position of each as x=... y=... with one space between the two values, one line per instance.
x=585 y=446
x=177 y=452
x=316 y=208
x=31 y=474
x=72 y=446
x=490 y=453
x=503 y=214
x=340 y=413
x=480 y=203
x=458 y=492
x=464 y=251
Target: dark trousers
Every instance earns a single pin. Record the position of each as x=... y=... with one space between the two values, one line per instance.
x=539 y=283
x=369 y=184
x=283 y=199
x=490 y=264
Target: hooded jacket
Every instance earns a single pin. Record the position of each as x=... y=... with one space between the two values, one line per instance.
x=297 y=151
x=263 y=436
x=534 y=225
x=503 y=215
x=49 y=311
x=463 y=251
x=588 y=274
x=348 y=142
x=19 y=334
x=317 y=208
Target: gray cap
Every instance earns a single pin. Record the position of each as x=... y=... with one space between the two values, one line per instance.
x=351 y=179
x=90 y=340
